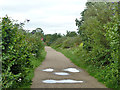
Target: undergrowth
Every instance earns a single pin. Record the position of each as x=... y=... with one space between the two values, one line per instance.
x=35 y=62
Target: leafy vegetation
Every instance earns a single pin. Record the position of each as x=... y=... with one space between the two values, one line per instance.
x=97 y=50
x=50 y=38
x=67 y=42
x=35 y=62
x=20 y=51
x=0 y=55
x=71 y=34
x=95 y=47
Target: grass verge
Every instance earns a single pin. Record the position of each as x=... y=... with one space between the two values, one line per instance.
x=35 y=62
x=92 y=70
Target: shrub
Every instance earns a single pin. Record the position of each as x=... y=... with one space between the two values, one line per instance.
x=58 y=42
x=17 y=48
x=67 y=42
x=100 y=37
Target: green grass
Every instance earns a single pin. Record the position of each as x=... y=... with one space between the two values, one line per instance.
x=35 y=62
x=75 y=59
x=92 y=70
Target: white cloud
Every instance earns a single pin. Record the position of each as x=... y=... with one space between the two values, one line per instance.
x=51 y=15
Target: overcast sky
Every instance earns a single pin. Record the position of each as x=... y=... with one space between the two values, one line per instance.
x=53 y=16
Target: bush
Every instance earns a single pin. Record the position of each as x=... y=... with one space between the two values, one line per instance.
x=100 y=37
x=67 y=42
x=58 y=42
x=101 y=41
x=0 y=55
x=17 y=48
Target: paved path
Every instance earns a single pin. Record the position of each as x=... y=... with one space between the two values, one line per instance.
x=58 y=62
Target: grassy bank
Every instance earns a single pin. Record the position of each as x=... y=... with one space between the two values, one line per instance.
x=94 y=71
x=35 y=62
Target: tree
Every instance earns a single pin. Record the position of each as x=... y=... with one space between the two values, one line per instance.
x=71 y=34
x=50 y=38
x=38 y=31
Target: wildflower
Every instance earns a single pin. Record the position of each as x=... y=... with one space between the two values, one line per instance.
x=34 y=54
x=19 y=79
x=113 y=14
x=42 y=39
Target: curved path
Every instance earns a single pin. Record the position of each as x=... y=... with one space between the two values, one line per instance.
x=58 y=62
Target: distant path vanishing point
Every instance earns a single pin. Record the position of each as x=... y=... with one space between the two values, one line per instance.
x=58 y=62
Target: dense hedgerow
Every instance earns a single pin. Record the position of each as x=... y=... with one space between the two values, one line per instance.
x=50 y=38
x=17 y=48
x=71 y=42
x=100 y=35
x=0 y=55
x=99 y=32
x=59 y=42
x=67 y=42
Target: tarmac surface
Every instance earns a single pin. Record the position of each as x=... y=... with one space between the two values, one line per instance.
x=56 y=62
